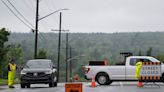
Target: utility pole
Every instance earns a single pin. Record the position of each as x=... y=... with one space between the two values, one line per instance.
x=70 y=62
x=59 y=42
x=36 y=25
x=36 y=29
x=59 y=45
x=66 y=55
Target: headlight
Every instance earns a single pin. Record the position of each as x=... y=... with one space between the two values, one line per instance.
x=48 y=72
x=23 y=72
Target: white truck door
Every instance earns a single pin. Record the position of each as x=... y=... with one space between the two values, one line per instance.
x=117 y=72
x=130 y=68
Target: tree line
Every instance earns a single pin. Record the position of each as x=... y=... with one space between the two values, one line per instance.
x=94 y=46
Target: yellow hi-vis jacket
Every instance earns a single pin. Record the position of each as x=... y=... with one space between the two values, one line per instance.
x=11 y=74
x=138 y=68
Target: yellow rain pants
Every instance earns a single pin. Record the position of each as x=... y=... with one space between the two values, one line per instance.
x=11 y=74
x=138 y=68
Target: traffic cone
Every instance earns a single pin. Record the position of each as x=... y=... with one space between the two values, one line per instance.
x=139 y=84
x=93 y=83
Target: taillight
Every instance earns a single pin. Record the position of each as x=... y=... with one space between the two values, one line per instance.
x=87 y=70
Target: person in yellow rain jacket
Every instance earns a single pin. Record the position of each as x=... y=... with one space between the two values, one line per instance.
x=11 y=73
x=138 y=68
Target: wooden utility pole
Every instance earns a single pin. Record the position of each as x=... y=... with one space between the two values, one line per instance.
x=66 y=69
x=36 y=29
x=59 y=41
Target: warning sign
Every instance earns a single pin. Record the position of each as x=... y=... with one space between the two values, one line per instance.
x=73 y=87
x=150 y=69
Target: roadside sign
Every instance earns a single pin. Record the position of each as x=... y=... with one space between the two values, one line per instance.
x=73 y=87
x=150 y=71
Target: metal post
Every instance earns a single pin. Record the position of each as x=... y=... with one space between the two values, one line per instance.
x=36 y=29
x=70 y=62
x=59 y=46
x=66 y=55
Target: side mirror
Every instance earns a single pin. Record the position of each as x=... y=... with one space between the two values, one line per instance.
x=53 y=67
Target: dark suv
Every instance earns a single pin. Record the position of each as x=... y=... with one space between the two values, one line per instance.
x=38 y=71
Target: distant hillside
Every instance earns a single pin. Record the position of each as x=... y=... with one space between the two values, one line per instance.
x=96 y=46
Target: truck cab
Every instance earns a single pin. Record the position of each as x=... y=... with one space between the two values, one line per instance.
x=131 y=65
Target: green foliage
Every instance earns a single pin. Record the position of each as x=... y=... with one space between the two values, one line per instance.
x=3 y=81
x=149 y=52
x=15 y=52
x=139 y=53
x=160 y=57
x=95 y=46
x=42 y=54
x=3 y=39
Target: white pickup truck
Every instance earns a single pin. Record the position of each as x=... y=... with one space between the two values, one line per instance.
x=105 y=75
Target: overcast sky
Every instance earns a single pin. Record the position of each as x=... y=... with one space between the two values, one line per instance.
x=87 y=15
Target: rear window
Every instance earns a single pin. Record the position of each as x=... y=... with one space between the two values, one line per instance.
x=95 y=63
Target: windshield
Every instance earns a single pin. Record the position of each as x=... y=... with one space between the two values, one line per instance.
x=38 y=64
x=154 y=60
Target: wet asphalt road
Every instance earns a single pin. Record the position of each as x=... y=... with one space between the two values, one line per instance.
x=114 y=87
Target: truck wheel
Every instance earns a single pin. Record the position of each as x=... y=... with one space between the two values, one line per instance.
x=102 y=78
x=162 y=78
x=22 y=85
x=55 y=84
x=109 y=82
x=51 y=84
x=55 y=81
x=28 y=85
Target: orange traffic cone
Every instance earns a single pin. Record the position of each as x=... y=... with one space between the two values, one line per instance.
x=93 y=83
x=139 y=84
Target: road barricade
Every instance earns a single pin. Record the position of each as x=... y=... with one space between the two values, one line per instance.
x=150 y=72
x=73 y=87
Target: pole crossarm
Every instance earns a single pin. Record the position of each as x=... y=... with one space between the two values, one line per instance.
x=74 y=57
x=63 y=30
x=52 y=13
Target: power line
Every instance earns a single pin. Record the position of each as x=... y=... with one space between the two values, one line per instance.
x=19 y=13
x=15 y=14
x=42 y=35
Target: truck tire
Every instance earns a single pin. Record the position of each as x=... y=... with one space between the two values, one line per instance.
x=55 y=81
x=22 y=85
x=55 y=84
x=109 y=82
x=28 y=85
x=102 y=79
x=162 y=78
x=51 y=84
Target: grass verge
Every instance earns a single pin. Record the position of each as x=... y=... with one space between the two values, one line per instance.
x=4 y=81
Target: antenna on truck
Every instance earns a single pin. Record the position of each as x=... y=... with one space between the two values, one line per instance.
x=125 y=55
